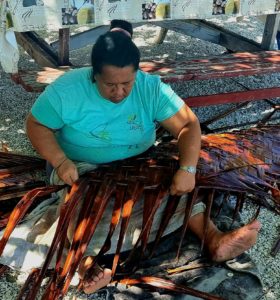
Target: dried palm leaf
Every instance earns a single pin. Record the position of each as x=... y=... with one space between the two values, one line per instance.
x=18 y=175
x=244 y=162
x=168 y=285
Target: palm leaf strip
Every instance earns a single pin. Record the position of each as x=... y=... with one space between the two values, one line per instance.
x=20 y=210
x=209 y=203
x=116 y=216
x=168 y=285
x=169 y=211
x=106 y=190
x=66 y=213
x=133 y=194
x=156 y=200
x=188 y=211
x=14 y=180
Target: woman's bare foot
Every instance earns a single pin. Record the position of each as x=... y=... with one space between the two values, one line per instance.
x=225 y=246
x=100 y=279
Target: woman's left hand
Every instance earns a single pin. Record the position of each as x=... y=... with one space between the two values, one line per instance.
x=182 y=183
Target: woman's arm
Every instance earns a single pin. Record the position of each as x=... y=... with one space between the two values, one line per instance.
x=43 y=140
x=185 y=127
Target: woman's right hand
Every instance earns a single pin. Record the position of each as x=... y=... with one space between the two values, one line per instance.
x=67 y=171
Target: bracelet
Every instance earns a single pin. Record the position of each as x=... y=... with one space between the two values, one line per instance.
x=61 y=163
x=188 y=169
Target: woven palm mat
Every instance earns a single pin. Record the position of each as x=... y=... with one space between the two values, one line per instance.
x=237 y=279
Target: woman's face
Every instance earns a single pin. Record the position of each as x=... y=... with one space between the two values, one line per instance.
x=115 y=83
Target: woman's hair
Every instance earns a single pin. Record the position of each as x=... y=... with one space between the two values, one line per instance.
x=123 y=25
x=115 y=48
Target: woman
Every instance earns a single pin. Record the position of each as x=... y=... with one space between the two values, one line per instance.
x=108 y=112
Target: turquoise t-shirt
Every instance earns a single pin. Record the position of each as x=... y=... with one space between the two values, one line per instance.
x=92 y=129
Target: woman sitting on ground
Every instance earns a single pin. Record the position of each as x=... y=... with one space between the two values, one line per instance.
x=108 y=112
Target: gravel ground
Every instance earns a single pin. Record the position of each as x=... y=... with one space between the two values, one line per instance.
x=16 y=102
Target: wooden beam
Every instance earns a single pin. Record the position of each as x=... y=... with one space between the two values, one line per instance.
x=88 y=37
x=195 y=28
x=63 y=49
x=203 y=68
x=37 y=48
x=233 y=97
x=161 y=36
x=229 y=39
x=212 y=33
x=270 y=31
x=83 y=39
x=188 y=28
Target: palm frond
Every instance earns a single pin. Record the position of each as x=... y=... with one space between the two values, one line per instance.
x=242 y=162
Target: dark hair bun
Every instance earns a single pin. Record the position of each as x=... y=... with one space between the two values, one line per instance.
x=122 y=24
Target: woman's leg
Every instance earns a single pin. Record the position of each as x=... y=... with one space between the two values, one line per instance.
x=224 y=246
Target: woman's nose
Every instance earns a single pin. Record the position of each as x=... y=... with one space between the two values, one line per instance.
x=119 y=90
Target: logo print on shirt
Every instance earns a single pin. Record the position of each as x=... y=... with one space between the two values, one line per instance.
x=133 y=123
x=101 y=133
